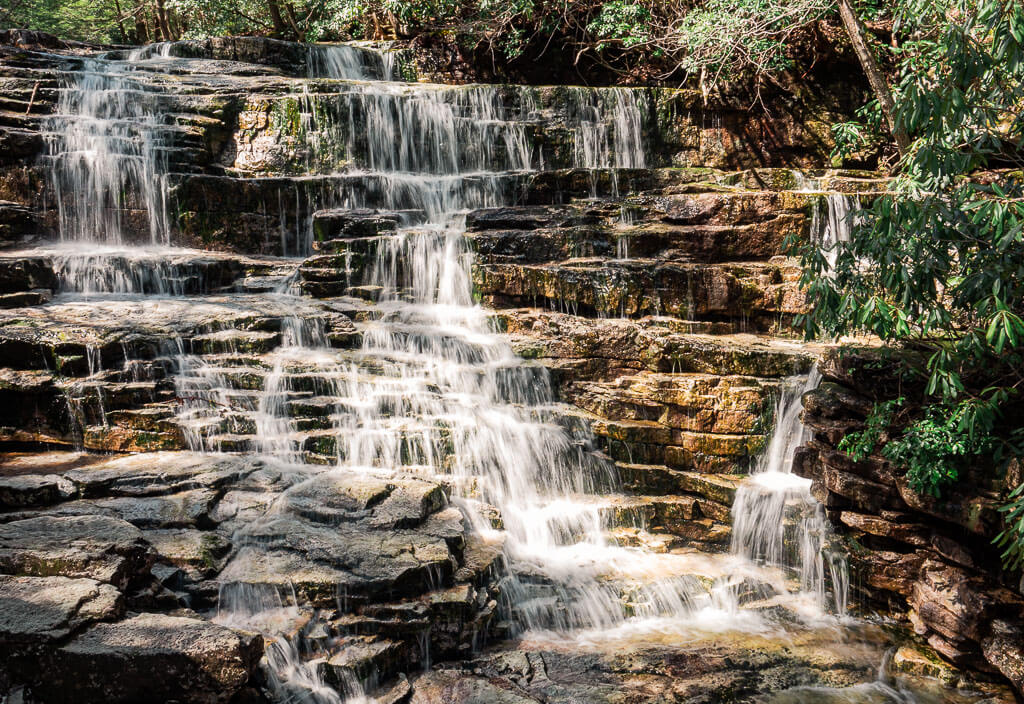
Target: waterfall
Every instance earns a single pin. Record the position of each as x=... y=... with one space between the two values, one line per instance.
x=433 y=391
x=348 y=62
x=831 y=230
x=107 y=155
x=776 y=520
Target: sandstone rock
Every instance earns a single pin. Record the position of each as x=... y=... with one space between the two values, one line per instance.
x=920 y=661
x=105 y=549
x=1004 y=648
x=952 y=602
x=154 y=657
x=912 y=534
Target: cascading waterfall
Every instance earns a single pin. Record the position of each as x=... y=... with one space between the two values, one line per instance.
x=776 y=520
x=433 y=391
x=831 y=229
x=107 y=154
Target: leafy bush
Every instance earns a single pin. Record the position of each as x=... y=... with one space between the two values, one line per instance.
x=858 y=445
x=626 y=22
x=937 y=264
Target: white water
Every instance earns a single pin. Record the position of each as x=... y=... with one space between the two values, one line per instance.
x=433 y=391
x=776 y=520
x=831 y=229
x=107 y=155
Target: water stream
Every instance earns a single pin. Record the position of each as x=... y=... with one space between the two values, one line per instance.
x=433 y=391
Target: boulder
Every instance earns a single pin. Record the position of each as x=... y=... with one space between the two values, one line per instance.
x=35 y=610
x=1004 y=649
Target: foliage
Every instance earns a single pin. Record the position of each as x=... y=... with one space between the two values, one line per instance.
x=721 y=38
x=709 y=39
x=626 y=22
x=937 y=448
x=937 y=264
x=858 y=445
x=1012 y=538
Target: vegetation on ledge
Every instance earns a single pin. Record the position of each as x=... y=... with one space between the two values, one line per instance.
x=937 y=266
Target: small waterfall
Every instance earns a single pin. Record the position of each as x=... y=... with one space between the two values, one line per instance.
x=603 y=143
x=108 y=147
x=350 y=63
x=831 y=229
x=776 y=521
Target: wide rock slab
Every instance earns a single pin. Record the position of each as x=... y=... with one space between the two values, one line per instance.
x=152 y=657
x=97 y=547
x=36 y=610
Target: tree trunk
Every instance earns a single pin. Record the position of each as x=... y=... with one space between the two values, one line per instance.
x=290 y=14
x=161 y=20
x=141 y=28
x=120 y=21
x=280 y=28
x=873 y=71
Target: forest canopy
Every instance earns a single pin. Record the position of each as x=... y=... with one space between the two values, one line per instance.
x=675 y=38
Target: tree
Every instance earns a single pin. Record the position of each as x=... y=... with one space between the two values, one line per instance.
x=937 y=264
x=873 y=72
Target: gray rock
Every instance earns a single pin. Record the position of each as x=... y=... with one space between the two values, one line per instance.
x=101 y=548
x=32 y=490
x=152 y=657
x=37 y=610
x=454 y=687
x=158 y=473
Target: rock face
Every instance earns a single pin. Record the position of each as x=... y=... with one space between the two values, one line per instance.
x=202 y=529
x=932 y=557
x=240 y=108
x=110 y=605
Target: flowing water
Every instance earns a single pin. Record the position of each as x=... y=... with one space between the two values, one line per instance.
x=776 y=520
x=832 y=223
x=433 y=391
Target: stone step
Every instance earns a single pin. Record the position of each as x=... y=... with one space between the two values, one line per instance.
x=235 y=341
x=761 y=296
x=362 y=659
x=602 y=349
x=656 y=480
x=116 y=438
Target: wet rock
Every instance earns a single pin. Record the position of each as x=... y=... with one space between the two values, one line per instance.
x=334 y=224
x=524 y=218
x=151 y=656
x=920 y=661
x=362 y=657
x=23 y=274
x=97 y=547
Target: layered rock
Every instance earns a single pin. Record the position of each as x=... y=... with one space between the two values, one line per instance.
x=102 y=583
x=930 y=558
